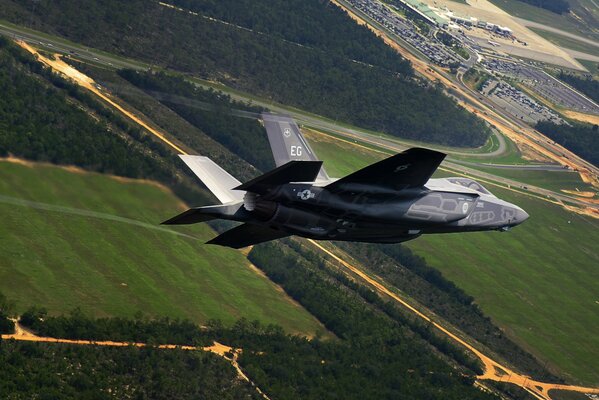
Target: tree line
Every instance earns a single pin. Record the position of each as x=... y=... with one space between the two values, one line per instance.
x=331 y=77
x=587 y=84
x=50 y=371
x=582 y=139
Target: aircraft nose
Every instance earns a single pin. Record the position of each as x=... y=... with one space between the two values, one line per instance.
x=521 y=216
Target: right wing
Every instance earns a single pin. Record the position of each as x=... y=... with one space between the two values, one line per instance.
x=412 y=168
x=247 y=235
x=293 y=171
x=287 y=142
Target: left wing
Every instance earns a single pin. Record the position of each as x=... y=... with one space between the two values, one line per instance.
x=412 y=168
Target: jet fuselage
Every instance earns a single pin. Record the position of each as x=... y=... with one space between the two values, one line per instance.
x=370 y=214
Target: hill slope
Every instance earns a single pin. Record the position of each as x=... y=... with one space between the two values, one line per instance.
x=63 y=247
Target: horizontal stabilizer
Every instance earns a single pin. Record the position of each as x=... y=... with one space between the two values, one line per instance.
x=219 y=181
x=203 y=214
x=411 y=168
x=293 y=171
x=191 y=216
x=247 y=235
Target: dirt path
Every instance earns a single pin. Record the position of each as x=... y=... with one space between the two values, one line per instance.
x=85 y=81
x=493 y=370
x=228 y=353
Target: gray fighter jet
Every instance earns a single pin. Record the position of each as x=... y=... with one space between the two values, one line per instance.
x=391 y=201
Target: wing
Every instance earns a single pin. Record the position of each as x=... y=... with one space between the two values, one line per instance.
x=412 y=168
x=293 y=171
x=287 y=142
x=247 y=235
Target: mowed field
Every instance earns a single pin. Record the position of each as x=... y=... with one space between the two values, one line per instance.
x=552 y=180
x=539 y=281
x=76 y=239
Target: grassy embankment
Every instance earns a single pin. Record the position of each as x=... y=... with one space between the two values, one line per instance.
x=538 y=281
x=55 y=255
x=566 y=22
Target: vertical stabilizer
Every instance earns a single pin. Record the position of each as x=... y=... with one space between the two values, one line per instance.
x=287 y=142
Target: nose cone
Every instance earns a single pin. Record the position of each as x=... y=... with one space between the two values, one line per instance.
x=521 y=216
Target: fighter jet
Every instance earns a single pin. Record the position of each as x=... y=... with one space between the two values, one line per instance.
x=391 y=201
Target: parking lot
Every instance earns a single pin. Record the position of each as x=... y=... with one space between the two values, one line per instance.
x=544 y=84
x=518 y=103
x=403 y=28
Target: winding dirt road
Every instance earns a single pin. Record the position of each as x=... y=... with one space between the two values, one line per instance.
x=228 y=353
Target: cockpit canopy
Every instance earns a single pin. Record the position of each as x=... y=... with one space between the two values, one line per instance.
x=470 y=184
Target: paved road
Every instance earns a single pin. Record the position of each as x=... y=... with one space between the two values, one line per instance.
x=81 y=52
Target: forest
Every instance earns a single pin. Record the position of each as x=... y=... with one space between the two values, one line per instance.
x=359 y=81
x=586 y=85
x=61 y=131
x=582 y=139
x=50 y=371
x=212 y=112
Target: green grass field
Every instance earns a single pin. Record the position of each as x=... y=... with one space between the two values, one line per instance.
x=591 y=66
x=568 y=43
x=552 y=180
x=62 y=247
x=539 y=282
x=565 y=22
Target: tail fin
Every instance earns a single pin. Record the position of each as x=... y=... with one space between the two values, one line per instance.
x=287 y=142
x=219 y=181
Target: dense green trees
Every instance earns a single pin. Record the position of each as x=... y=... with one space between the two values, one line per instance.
x=586 y=85
x=50 y=371
x=6 y=309
x=39 y=122
x=80 y=326
x=347 y=74
x=311 y=24
x=379 y=357
x=44 y=117
x=582 y=139
x=214 y=113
